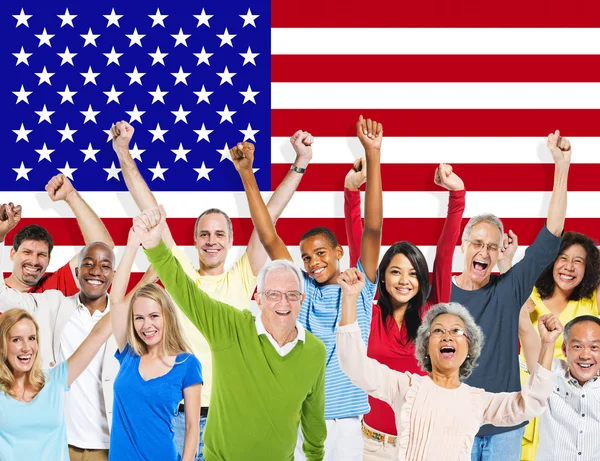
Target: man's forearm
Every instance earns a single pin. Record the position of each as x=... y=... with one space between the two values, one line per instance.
x=284 y=192
x=92 y=227
x=141 y=193
x=546 y=355
x=557 y=209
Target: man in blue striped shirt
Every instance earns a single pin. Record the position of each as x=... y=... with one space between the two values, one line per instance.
x=321 y=253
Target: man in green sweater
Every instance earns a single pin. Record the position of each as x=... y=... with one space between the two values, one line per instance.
x=268 y=372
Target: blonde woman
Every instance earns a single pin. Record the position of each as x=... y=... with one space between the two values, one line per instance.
x=32 y=420
x=157 y=372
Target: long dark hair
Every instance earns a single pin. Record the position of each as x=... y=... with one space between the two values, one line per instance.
x=591 y=277
x=412 y=316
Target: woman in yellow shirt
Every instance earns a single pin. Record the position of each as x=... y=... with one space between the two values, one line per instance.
x=567 y=288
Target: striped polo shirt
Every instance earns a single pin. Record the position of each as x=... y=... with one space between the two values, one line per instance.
x=320 y=314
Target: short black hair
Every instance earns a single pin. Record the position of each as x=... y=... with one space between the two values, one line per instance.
x=325 y=232
x=591 y=277
x=576 y=320
x=36 y=233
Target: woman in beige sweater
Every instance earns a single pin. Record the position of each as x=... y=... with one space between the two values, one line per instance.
x=437 y=416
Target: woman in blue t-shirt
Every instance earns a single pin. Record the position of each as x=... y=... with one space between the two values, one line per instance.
x=157 y=372
x=32 y=421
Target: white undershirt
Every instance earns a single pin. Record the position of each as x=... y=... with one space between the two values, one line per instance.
x=85 y=412
x=286 y=348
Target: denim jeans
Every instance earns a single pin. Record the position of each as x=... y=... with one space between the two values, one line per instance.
x=498 y=447
x=179 y=428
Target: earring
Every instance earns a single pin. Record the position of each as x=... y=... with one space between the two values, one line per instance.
x=468 y=356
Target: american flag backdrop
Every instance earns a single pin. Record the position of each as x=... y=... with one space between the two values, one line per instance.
x=474 y=84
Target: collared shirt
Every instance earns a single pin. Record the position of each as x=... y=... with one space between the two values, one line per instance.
x=85 y=413
x=286 y=348
x=569 y=428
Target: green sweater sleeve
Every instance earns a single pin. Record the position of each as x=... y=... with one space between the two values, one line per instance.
x=313 y=421
x=215 y=320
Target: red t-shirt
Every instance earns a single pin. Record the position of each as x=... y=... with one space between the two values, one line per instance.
x=61 y=280
x=391 y=347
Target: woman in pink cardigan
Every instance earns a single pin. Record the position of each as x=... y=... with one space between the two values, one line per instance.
x=437 y=415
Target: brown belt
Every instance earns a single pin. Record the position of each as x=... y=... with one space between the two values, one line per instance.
x=379 y=436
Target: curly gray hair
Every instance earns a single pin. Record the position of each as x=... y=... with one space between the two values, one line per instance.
x=474 y=336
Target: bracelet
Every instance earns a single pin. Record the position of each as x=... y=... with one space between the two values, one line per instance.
x=297 y=169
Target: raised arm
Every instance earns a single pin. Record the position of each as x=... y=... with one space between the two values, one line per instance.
x=119 y=301
x=301 y=142
x=122 y=132
x=441 y=287
x=561 y=154
x=10 y=215
x=529 y=339
x=371 y=376
x=92 y=227
x=88 y=349
x=355 y=178
x=510 y=244
x=242 y=156
x=370 y=134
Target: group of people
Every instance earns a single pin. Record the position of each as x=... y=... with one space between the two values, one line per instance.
x=374 y=362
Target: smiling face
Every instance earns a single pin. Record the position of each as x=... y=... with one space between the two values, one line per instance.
x=401 y=281
x=30 y=261
x=22 y=346
x=569 y=268
x=148 y=321
x=212 y=241
x=582 y=349
x=447 y=352
x=479 y=262
x=321 y=260
x=95 y=272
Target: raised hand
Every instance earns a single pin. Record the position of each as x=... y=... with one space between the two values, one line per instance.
x=148 y=226
x=352 y=281
x=122 y=133
x=507 y=251
x=10 y=215
x=550 y=328
x=357 y=175
x=560 y=148
x=132 y=238
x=370 y=133
x=242 y=155
x=446 y=178
x=59 y=188
x=302 y=142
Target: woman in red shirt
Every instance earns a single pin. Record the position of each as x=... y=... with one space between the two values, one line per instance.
x=404 y=296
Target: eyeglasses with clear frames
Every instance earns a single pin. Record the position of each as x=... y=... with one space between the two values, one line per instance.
x=478 y=245
x=454 y=332
x=275 y=296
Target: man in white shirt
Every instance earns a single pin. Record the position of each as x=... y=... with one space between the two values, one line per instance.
x=64 y=323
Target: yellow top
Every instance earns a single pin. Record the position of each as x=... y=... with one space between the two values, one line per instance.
x=234 y=287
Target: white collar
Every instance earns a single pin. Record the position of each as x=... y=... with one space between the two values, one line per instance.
x=260 y=329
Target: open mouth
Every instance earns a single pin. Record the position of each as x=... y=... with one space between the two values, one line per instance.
x=447 y=352
x=31 y=270
x=24 y=359
x=585 y=366
x=95 y=282
x=402 y=290
x=283 y=313
x=318 y=272
x=480 y=267
x=211 y=251
x=149 y=334
x=566 y=278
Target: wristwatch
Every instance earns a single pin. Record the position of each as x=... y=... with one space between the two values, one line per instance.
x=297 y=169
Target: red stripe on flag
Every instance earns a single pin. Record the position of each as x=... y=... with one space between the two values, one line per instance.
x=419 y=177
x=440 y=122
x=435 y=13
x=420 y=231
x=435 y=68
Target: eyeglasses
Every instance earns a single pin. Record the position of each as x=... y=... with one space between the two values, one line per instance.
x=478 y=245
x=290 y=296
x=454 y=332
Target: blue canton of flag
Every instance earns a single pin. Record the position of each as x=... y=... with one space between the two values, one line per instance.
x=192 y=78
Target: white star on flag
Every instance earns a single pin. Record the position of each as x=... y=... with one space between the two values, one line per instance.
x=158 y=172
x=158 y=18
x=158 y=133
x=90 y=114
x=22 y=18
x=135 y=114
x=181 y=115
x=22 y=133
x=135 y=76
x=202 y=18
x=226 y=76
x=203 y=172
x=203 y=133
x=113 y=56
x=44 y=38
x=180 y=76
x=68 y=171
x=224 y=153
x=113 y=95
x=44 y=153
x=90 y=76
x=67 y=95
x=113 y=172
x=22 y=95
x=180 y=38
x=44 y=114
x=226 y=38
x=249 y=18
x=22 y=57
x=249 y=133
x=90 y=38
x=203 y=95
x=108 y=135
x=67 y=18
x=112 y=18
x=90 y=153
x=249 y=57
x=203 y=57
x=135 y=38
x=22 y=172
x=226 y=114
x=158 y=56
x=67 y=56
x=44 y=76
x=158 y=95
x=249 y=95
x=67 y=133
x=180 y=153
x=136 y=153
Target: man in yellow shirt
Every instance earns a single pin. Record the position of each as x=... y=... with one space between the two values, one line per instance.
x=213 y=238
